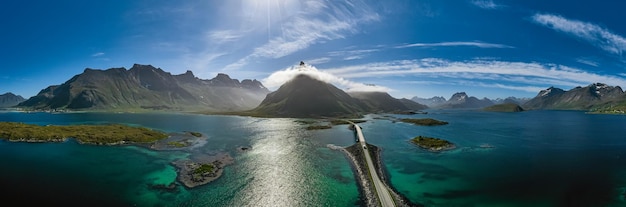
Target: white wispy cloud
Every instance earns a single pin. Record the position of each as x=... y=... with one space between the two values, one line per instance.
x=98 y=54
x=531 y=75
x=278 y=78
x=456 y=44
x=302 y=33
x=592 y=33
x=588 y=62
x=486 y=4
x=318 y=60
x=354 y=57
x=352 y=52
x=533 y=89
x=319 y=21
x=224 y=36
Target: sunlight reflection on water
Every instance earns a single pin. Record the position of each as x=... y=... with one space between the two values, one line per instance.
x=278 y=169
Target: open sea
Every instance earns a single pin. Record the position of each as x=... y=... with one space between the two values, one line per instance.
x=534 y=158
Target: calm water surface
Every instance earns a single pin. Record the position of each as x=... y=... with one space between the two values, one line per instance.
x=536 y=158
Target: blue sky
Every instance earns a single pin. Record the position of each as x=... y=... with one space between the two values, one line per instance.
x=487 y=48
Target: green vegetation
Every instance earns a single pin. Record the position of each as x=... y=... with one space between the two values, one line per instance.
x=93 y=134
x=196 y=134
x=204 y=168
x=343 y=121
x=424 y=122
x=433 y=144
x=316 y=127
x=506 y=107
x=177 y=144
x=610 y=108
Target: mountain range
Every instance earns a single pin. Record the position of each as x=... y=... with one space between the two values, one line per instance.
x=580 y=98
x=144 y=87
x=462 y=100
x=147 y=87
x=305 y=96
x=10 y=99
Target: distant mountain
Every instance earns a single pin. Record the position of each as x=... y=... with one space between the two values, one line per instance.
x=147 y=87
x=462 y=100
x=430 y=102
x=10 y=99
x=304 y=96
x=579 y=98
x=513 y=100
x=383 y=102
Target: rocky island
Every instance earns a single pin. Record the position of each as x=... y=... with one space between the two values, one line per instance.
x=432 y=144
x=201 y=170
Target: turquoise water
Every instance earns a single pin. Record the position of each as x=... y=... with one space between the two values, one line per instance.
x=536 y=158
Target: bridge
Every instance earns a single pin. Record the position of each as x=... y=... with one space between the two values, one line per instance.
x=381 y=190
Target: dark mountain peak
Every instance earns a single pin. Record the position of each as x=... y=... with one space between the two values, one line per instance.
x=142 y=67
x=462 y=100
x=253 y=85
x=604 y=90
x=439 y=98
x=459 y=96
x=305 y=96
x=430 y=102
x=599 y=85
x=224 y=80
x=89 y=70
x=550 y=91
x=9 y=99
x=222 y=77
x=187 y=77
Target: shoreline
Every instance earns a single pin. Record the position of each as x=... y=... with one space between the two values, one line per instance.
x=190 y=172
x=368 y=197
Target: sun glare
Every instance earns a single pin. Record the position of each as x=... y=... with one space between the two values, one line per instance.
x=269 y=15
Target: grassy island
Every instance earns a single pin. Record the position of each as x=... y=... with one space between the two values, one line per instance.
x=204 y=168
x=424 y=122
x=92 y=134
x=432 y=144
